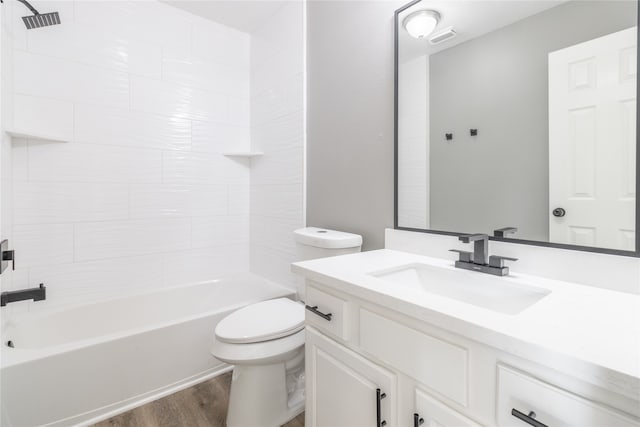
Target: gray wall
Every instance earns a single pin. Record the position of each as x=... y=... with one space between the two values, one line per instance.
x=498 y=84
x=350 y=116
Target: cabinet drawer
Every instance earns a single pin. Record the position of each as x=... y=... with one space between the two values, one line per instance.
x=329 y=314
x=439 y=365
x=435 y=413
x=552 y=406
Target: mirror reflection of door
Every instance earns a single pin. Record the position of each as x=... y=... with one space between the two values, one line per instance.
x=592 y=142
x=509 y=111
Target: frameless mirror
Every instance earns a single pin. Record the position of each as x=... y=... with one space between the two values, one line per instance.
x=518 y=119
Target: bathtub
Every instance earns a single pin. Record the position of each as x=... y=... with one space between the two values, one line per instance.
x=84 y=364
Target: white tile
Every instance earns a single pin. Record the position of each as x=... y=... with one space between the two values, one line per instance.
x=19 y=159
x=219 y=138
x=43 y=244
x=114 y=126
x=92 y=163
x=221 y=44
x=142 y=21
x=237 y=111
x=281 y=100
x=84 y=43
x=43 y=116
x=145 y=59
x=13 y=25
x=209 y=200
x=203 y=168
x=212 y=76
x=165 y=200
x=44 y=202
x=6 y=186
x=279 y=167
x=114 y=239
x=281 y=32
x=86 y=282
x=274 y=265
x=219 y=230
x=282 y=132
x=177 y=100
x=205 y=264
x=69 y=81
x=58 y=41
x=29 y=78
x=276 y=70
x=276 y=233
x=101 y=48
x=15 y=279
x=409 y=172
x=239 y=199
x=95 y=85
x=277 y=201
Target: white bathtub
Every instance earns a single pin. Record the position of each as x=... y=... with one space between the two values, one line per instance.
x=84 y=364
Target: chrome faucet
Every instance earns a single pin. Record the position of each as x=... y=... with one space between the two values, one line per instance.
x=477 y=261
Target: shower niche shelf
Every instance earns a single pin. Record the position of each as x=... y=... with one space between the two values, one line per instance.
x=35 y=135
x=243 y=154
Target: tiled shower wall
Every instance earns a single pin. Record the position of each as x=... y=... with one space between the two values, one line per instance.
x=277 y=129
x=141 y=196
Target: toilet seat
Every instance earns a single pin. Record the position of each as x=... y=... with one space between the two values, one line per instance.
x=259 y=353
x=260 y=322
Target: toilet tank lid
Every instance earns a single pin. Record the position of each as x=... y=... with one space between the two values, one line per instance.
x=327 y=239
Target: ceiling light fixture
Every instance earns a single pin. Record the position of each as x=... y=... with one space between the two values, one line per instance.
x=421 y=23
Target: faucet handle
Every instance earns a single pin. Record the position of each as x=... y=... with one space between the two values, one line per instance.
x=464 y=256
x=498 y=261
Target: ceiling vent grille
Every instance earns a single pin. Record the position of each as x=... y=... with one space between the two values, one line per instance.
x=443 y=36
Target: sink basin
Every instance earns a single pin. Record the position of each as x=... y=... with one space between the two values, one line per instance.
x=501 y=294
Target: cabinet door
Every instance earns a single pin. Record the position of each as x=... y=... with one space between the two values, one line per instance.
x=342 y=386
x=437 y=414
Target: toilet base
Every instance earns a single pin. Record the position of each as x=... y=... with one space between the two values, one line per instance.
x=259 y=396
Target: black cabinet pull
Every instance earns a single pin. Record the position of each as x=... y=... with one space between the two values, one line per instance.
x=315 y=310
x=379 y=396
x=529 y=419
x=417 y=421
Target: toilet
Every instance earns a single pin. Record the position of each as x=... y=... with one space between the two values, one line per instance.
x=265 y=343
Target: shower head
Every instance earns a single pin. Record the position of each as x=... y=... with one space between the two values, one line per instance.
x=38 y=20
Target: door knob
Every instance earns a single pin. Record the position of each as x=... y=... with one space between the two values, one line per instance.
x=559 y=212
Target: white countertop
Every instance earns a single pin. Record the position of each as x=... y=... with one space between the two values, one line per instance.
x=576 y=328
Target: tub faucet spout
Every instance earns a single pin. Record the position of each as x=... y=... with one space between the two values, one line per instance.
x=36 y=294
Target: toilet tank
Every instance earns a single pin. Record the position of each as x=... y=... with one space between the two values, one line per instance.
x=313 y=242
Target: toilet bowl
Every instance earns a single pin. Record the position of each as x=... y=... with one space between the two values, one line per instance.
x=265 y=343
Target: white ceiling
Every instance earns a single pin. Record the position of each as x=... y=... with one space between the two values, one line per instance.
x=243 y=15
x=470 y=19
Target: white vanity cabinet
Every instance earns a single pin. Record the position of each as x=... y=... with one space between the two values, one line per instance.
x=434 y=378
x=344 y=388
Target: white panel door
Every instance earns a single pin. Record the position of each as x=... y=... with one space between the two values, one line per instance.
x=592 y=142
x=341 y=386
